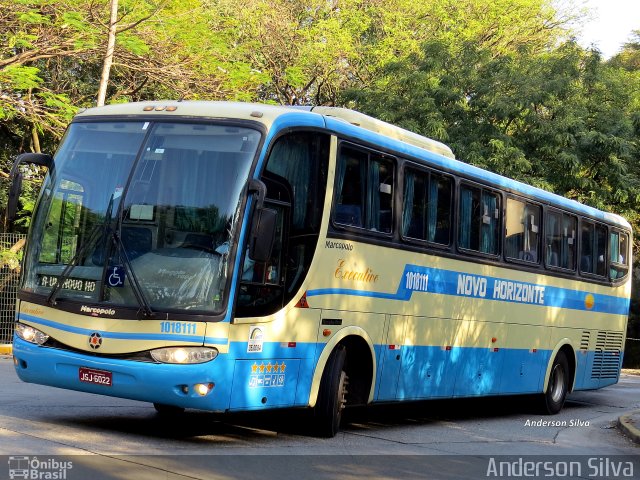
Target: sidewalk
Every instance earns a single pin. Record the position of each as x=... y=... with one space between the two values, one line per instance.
x=630 y=425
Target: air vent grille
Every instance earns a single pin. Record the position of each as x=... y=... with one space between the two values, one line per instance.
x=584 y=341
x=606 y=361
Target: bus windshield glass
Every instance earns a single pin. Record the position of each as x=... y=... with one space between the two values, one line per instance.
x=140 y=212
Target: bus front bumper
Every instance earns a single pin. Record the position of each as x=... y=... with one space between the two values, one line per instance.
x=149 y=382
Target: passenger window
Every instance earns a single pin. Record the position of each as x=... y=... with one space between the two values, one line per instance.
x=479 y=221
x=426 y=213
x=560 y=240
x=593 y=249
x=522 y=231
x=619 y=254
x=364 y=190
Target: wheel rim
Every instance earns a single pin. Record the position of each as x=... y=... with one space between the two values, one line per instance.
x=557 y=384
x=342 y=392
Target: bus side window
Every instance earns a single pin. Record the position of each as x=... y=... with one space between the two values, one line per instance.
x=364 y=190
x=479 y=220
x=618 y=254
x=522 y=231
x=426 y=213
x=593 y=249
x=560 y=240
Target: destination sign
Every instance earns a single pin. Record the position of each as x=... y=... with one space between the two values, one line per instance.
x=77 y=284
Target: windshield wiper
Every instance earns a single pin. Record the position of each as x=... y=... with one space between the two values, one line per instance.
x=93 y=236
x=135 y=285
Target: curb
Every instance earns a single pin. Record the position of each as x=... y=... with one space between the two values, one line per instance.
x=6 y=349
x=630 y=426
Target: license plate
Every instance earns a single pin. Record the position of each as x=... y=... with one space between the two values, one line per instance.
x=99 y=377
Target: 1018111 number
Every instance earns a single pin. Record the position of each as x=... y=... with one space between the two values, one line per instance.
x=179 y=327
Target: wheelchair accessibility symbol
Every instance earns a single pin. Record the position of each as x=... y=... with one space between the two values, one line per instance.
x=115 y=276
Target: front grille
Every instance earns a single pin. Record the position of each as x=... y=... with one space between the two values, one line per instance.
x=144 y=356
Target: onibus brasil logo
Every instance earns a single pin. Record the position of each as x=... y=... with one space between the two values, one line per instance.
x=33 y=468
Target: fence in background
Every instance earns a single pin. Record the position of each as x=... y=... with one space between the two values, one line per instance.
x=11 y=249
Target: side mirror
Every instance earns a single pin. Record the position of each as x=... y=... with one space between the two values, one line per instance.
x=14 y=194
x=41 y=159
x=263 y=226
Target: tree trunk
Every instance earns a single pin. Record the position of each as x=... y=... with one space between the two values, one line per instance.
x=108 y=58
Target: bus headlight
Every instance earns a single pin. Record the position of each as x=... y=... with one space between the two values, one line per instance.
x=184 y=354
x=30 y=334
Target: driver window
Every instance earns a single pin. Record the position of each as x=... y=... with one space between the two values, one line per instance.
x=295 y=176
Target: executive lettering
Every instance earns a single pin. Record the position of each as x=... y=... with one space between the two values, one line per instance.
x=364 y=276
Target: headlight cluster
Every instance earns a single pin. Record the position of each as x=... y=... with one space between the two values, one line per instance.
x=184 y=354
x=30 y=334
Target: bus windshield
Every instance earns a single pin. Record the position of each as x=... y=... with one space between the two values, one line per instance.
x=137 y=212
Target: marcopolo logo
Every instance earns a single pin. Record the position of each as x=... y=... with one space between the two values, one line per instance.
x=97 y=311
x=38 y=469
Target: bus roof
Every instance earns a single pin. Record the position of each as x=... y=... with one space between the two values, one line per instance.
x=352 y=124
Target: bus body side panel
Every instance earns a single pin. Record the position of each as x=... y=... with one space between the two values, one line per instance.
x=459 y=329
x=274 y=359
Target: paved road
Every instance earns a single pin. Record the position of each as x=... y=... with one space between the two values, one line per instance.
x=115 y=438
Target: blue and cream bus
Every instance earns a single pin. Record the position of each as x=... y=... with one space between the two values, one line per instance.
x=229 y=256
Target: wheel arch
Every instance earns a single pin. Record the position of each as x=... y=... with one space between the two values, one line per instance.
x=358 y=344
x=565 y=346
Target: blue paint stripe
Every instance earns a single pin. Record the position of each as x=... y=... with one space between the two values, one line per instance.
x=446 y=282
x=123 y=335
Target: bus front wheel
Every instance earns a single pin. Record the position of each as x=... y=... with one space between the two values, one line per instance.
x=553 y=399
x=332 y=396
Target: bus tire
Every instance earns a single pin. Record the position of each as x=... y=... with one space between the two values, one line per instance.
x=332 y=396
x=168 y=411
x=553 y=399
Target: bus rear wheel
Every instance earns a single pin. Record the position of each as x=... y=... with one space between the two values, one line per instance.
x=553 y=399
x=332 y=397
